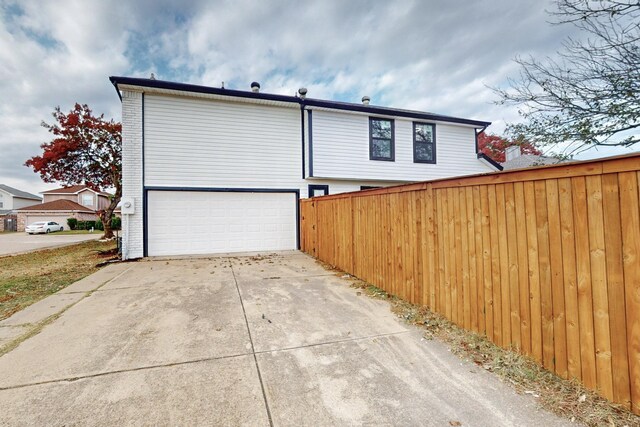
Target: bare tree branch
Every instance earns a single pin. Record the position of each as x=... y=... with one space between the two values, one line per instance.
x=590 y=94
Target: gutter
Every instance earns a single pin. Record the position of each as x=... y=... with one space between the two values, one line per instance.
x=115 y=85
x=306 y=102
x=482 y=156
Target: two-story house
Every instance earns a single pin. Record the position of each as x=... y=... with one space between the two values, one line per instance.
x=10 y=200
x=77 y=201
x=210 y=170
x=81 y=194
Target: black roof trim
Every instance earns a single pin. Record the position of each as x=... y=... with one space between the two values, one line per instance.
x=310 y=102
x=185 y=87
x=386 y=111
x=491 y=161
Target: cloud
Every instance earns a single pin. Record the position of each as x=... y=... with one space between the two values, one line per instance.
x=436 y=56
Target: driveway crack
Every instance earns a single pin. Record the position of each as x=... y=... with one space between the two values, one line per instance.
x=253 y=350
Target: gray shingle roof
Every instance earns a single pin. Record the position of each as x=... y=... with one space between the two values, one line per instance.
x=17 y=193
x=529 y=160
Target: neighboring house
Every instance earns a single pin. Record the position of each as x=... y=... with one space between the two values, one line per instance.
x=77 y=201
x=81 y=194
x=516 y=160
x=208 y=170
x=10 y=200
x=57 y=210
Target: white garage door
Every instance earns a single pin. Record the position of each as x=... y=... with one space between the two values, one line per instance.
x=194 y=222
x=60 y=219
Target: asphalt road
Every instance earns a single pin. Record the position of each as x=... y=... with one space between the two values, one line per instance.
x=16 y=243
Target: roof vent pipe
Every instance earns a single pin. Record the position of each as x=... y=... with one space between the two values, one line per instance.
x=303 y=92
x=366 y=100
x=255 y=87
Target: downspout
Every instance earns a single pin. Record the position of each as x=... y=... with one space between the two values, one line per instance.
x=483 y=156
x=302 y=136
x=478 y=133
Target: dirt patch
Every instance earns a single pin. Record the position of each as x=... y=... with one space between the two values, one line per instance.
x=27 y=278
x=568 y=399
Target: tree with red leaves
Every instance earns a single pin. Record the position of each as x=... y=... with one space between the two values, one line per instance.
x=494 y=146
x=86 y=149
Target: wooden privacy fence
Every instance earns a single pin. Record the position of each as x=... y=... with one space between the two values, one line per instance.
x=546 y=261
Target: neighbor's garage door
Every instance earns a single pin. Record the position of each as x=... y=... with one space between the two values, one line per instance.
x=194 y=222
x=60 y=219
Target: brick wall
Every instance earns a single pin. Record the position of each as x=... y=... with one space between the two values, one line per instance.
x=132 y=241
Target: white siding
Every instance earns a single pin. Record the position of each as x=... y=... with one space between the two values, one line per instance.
x=7 y=200
x=19 y=202
x=198 y=143
x=10 y=202
x=195 y=142
x=341 y=150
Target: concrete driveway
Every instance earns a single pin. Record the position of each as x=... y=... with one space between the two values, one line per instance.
x=254 y=340
x=17 y=243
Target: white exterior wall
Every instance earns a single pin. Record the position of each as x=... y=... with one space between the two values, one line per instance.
x=195 y=142
x=132 y=242
x=198 y=143
x=10 y=202
x=19 y=202
x=341 y=150
x=7 y=200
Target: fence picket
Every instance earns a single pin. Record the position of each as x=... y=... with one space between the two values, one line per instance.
x=546 y=261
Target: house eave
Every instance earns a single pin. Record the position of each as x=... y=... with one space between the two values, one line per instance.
x=173 y=88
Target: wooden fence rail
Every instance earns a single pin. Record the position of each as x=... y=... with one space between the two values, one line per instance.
x=545 y=261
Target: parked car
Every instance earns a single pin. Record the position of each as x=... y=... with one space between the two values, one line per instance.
x=43 y=227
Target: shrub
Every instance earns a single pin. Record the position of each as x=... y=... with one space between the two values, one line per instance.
x=98 y=225
x=116 y=223
x=72 y=223
x=86 y=225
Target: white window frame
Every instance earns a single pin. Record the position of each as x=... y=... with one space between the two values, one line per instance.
x=84 y=199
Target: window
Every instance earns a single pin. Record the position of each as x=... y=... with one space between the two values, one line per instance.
x=424 y=143
x=1 y=202
x=381 y=139
x=87 y=200
x=368 y=187
x=318 y=190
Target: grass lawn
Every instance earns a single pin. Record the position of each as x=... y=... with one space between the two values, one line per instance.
x=27 y=278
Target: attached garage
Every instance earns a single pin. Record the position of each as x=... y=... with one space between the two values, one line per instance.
x=195 y=221
x=57 y=210
x=60 y=219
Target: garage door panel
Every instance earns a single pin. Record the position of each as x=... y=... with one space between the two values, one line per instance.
x=191 y=222
x=60 y=219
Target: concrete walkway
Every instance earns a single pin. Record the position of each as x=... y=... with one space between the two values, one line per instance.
x=254 y=340
x=18 y=243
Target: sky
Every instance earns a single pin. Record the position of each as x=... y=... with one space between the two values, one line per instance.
x=441 y=56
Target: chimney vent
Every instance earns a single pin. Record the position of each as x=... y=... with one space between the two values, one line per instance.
x=303 y=92
x=366 y=100
x=512 y=152
x=255 y=87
